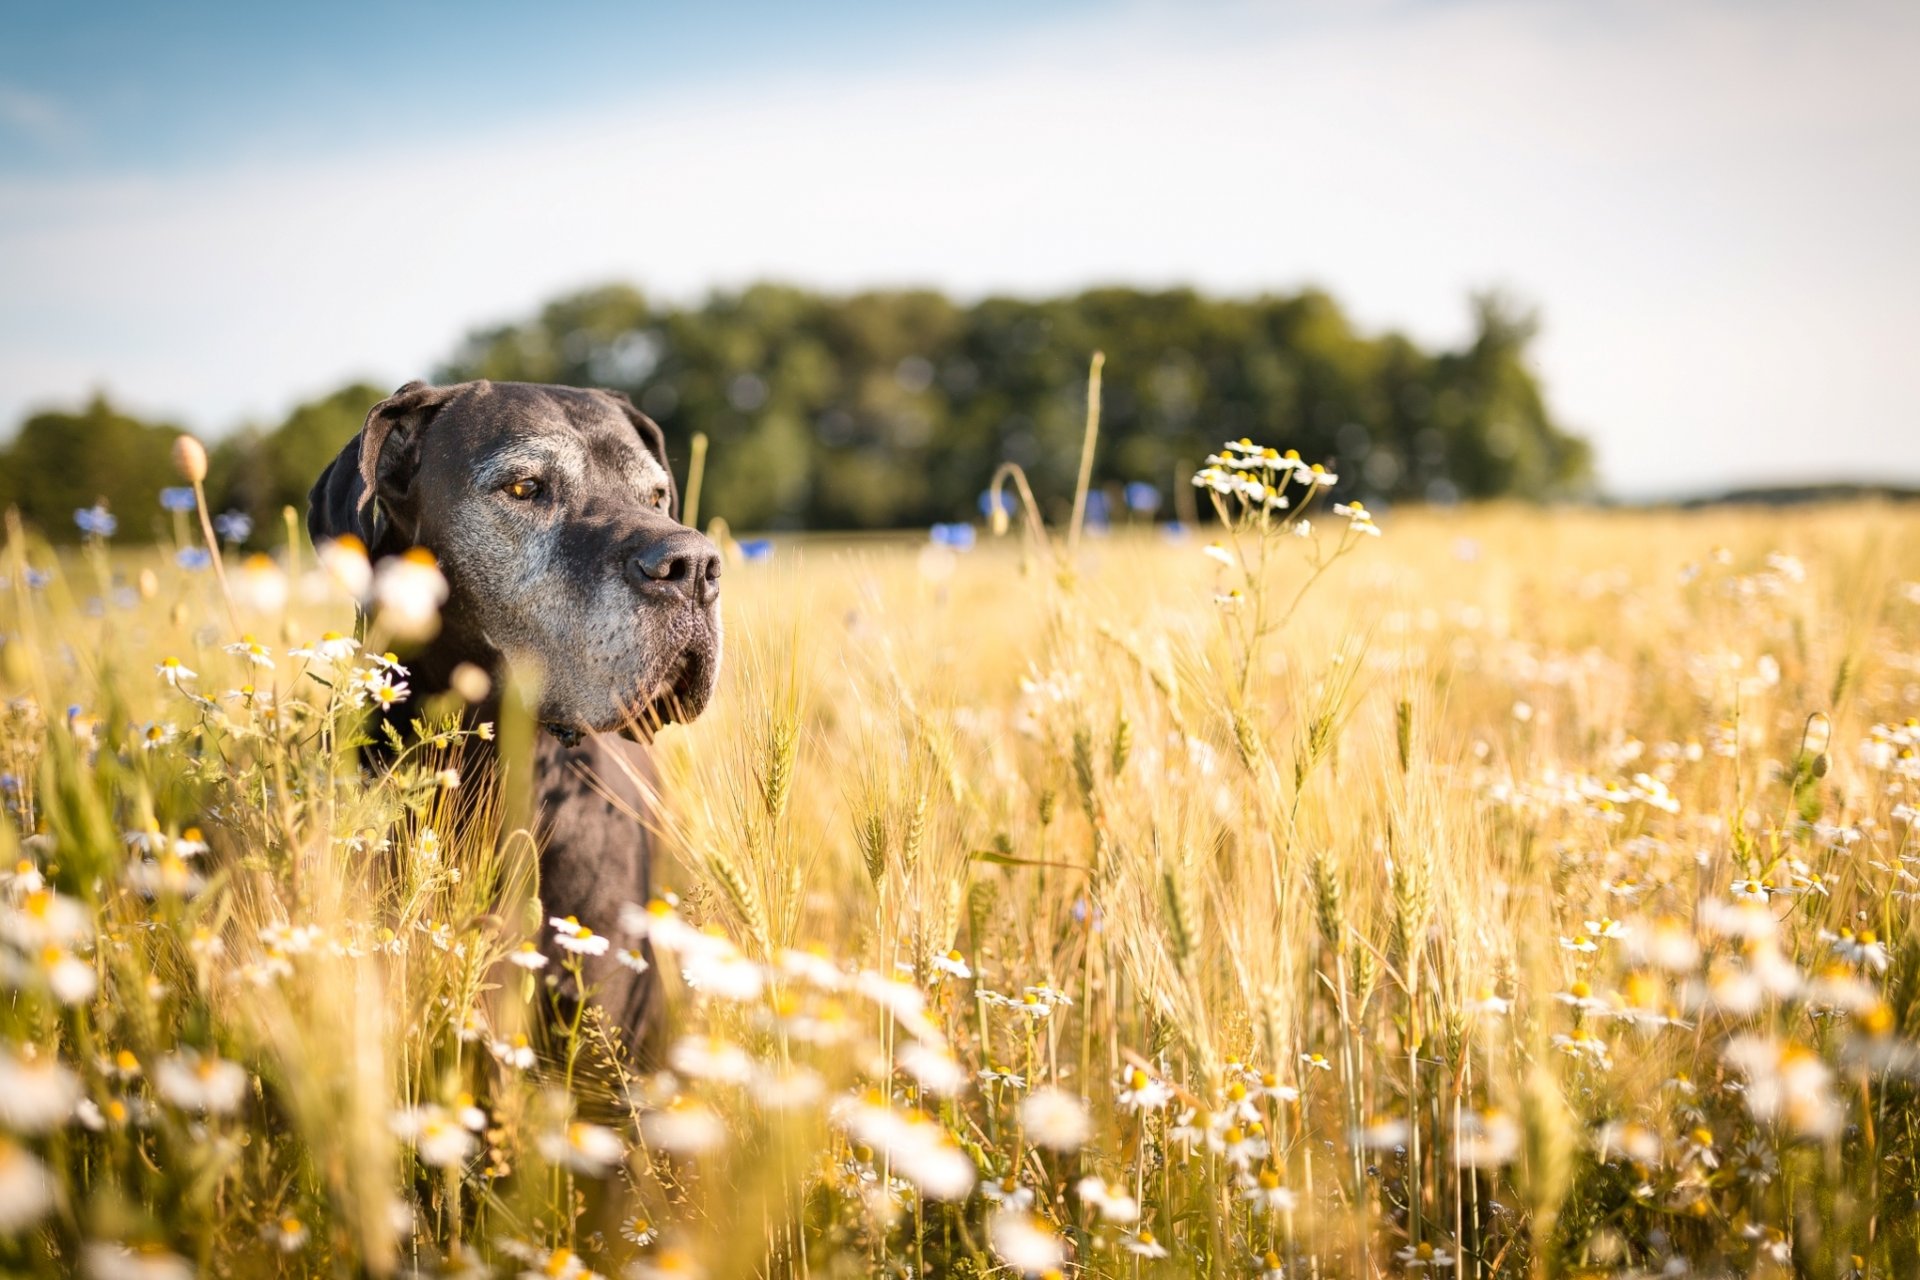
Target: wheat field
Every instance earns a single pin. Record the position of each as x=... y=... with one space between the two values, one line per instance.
x=1516 y=892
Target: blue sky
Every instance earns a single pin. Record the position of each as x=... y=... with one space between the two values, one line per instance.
x=157 y=87
x=213 y=211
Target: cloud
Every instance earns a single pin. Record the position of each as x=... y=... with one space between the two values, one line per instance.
x=1708 y=204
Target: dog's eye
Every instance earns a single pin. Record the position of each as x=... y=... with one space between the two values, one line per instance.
x=658 y=498
x=522 y=490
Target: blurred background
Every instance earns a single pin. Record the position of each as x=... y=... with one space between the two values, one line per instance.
x=1466 y=249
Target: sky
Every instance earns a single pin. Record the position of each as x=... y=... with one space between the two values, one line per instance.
x=214 y=211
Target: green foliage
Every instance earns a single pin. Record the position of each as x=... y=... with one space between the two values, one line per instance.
x=889 y=409
x=60 y=462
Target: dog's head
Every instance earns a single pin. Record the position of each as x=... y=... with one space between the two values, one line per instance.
x=554 y=515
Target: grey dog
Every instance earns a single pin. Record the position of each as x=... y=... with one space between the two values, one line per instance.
x=554 y=515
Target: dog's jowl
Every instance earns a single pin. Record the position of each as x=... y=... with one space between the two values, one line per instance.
x=553 y=513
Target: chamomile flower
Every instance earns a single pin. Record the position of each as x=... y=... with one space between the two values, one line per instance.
x=573 y=936
x=1113 y=1204
x=589 y=1149
x=1056 y=1119
x=407 y=593
x=172 y=672
x=527 y=956
x=286 y=1233
x=255 y=653
x=953 y=964
x=437 y=1135
x=1264 y=1191
x=1142 y=1244
x=1025 y=1243
x=1139 y=1091
x=26 y=1188
x=202 y=1082
x=37 y=1092
x=1423 y=1257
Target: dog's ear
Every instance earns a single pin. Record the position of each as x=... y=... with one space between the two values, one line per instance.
x=655 y=441
x=379 y=463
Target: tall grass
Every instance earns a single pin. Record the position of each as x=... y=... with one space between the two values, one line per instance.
x=1519 y=893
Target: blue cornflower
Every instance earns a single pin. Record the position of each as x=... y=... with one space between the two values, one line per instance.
x=177 y=499
x=756 y=549
x=96 y=521
x=1142 y=498
x=233 y=526
x=1097 y=515
x=192 y=559
x=987 y=502
x=958 y=537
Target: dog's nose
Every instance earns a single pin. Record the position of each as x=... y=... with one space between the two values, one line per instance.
x=683 y=563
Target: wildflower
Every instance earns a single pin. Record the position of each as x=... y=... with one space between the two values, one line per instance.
x=26 y=1188
x=1316 y=1061
x=685 y=1127
x=1191 y=1129
x=1422 y=1257
x=1218 y=552
x=577 y=938
x=1141 y=1244
x=933 y=1068
x=1698 y=1146
x=37 y=1093
x=261 y=585
x=1139 y=1091
x=1754 y=1162
x=200 y=1082
x=527 y=956
x=158 y=734
x=994 y=1073
x=1489 y=1003
x=1269 y=1267
x=1056 y=1119
x=711 y=1058
x=408 y=591
x=667 y=1264
x=1359 y=519
x=133 y=1262
x=953 y=964
x=193 y=559
x=1382 y=1133
x=1788 y=1084
x=1864 y=948
x=331 y=650
x=286 y=1233
x=96 y=521
x=379 y=688
x=1581 y=1043
x=584 y=1148
x=1007 y=1192
x=253 y=651
x=788 y=1089
x=515 y=1051
x=171 y=672
x=1024 y=1243
x=437 y=1135
x=1113 y=1204
x=178 y=499
x=1264 y=1191
x=1268 y=1085
x=632 y=958
x=233 y=526
x=1240 y=1144
x=638 y=1230
x=1579 y=942
x=1580 y=996
x=345 y=561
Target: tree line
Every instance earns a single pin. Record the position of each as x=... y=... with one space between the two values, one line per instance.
x=889 y=409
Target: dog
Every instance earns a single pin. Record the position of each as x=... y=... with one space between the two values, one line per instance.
x=555 y=518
